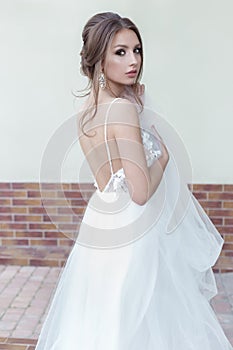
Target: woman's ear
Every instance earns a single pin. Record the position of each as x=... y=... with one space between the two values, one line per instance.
x=102 y=64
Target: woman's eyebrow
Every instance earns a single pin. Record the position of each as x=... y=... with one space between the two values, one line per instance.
x=125 y=46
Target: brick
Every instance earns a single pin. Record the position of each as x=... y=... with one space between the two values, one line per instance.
x=78 y=202
x=66 y=186
x=27 y=202
x=74 y=210
x=207 y=187
x=6 y=233
x=20 y=341
x=66 y=242
x=13 y=261
x=53 y=234
x=5 y=201
x=228 y=221
x=228 y=246
x=230 y=253
x=14 y=210
x=217 y=221
x=13 y=347
x=57 y=218
x=5 y=186
x=28 y=218
x=25 y=185
x=43 y=194
x=226 y=271
x=228 y=188
x=29 y=234
x=227 y=230
x=220 y=213
x=40 y=226
x=70 y=194
x=14 y=241
x=5 y=210
x=53 y=186
x=55 y=202
x=37 y=210
x=77 y=218
x=228 y=238
x=75 y=186
x=228 y=205
x=224 y=262
x=43 y=262
x=69 y=227
x=58 y=256
x=4 y=194
x=13 y=226
x=5 y=217
x=221 y=195
x=200 y=195
x=82 y=186
x=34 y=194
x=45 y=242
x=211 y=204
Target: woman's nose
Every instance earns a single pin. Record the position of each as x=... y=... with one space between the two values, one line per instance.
x=133 y=58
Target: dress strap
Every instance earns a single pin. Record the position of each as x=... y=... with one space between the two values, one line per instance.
x=105 y=135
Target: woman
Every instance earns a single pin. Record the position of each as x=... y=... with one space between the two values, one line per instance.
x=128 y=284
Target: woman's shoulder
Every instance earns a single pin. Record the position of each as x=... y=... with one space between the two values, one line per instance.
x=121 y=113
x=114 y=110
x=121 y=105
x=114 y=101
x=123 y=101
x=123 y=109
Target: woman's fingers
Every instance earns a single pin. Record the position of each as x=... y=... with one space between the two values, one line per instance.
x=140 y=89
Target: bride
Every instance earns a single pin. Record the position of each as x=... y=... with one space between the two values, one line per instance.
x=139 y=276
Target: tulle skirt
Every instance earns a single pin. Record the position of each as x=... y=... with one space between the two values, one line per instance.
x=131 y=284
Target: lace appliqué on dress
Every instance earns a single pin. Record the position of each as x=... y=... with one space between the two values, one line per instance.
x=151 y=146
x=117 y=182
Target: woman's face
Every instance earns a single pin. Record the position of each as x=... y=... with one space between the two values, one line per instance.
x=123 y=60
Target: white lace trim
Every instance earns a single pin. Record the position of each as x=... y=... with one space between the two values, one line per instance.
x=151 y=146
x=117 y=182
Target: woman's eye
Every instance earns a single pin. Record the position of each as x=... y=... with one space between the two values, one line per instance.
x=138 y=50
x=120 y=52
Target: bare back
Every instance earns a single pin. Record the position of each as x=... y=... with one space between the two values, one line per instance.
x=117 y=144
x=104 y=159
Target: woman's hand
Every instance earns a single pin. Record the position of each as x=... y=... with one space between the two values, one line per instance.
x=139 y=89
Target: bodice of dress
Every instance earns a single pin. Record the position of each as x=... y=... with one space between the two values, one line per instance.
x=117 y=181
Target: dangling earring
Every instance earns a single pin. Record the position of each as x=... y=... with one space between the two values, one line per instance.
x=102 y=81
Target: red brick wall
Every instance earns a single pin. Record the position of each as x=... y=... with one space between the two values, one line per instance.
x=217 y=200
x=33 y=235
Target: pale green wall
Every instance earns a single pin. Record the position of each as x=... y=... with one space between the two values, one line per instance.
x=188 y=71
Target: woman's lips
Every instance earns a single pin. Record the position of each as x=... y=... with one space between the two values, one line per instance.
x=132 y=73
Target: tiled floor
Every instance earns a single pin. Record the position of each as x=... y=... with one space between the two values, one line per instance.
x=17 y=344
x=25 y=292
x=24 y=296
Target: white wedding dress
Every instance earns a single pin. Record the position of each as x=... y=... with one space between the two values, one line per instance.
x=130 y=283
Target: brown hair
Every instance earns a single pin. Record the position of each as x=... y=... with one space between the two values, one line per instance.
x=97 y=35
